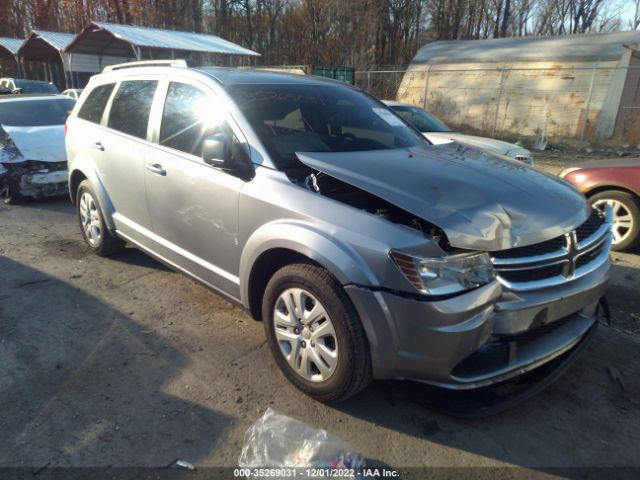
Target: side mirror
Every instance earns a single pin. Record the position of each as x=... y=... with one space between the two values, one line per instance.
x=215 y=150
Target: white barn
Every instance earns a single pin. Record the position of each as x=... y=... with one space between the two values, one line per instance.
x=575 y=86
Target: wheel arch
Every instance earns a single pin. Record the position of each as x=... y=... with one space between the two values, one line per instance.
x=279 y=244
x=604 y=188
x=75 y=178
x=84 y=171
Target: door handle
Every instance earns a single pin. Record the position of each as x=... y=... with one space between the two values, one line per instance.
x=156 y=168
x=98 y=146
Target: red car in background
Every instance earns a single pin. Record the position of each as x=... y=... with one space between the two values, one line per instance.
x=616 y=184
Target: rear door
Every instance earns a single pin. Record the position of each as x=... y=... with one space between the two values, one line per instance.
x=193 y=206
x=119 y=151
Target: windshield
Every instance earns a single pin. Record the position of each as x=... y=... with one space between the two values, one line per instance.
x=291 y=118
x=35 y=113
x=420 y=119
x=35 y=87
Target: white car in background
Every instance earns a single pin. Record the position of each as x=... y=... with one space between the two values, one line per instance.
x=33 y=160
x=72 y=93
x=437 y=132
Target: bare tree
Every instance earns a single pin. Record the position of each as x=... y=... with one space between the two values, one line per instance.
x=360 y=33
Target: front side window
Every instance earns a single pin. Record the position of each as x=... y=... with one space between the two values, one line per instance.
x=182 y=125
x=93 y=106
x=291 y=118
x=131 y=107
x=190 y=116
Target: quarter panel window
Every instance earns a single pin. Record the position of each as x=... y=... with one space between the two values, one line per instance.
x=93 y=106
x=131 y=107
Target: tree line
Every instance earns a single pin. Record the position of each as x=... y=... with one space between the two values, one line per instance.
x=360 y=33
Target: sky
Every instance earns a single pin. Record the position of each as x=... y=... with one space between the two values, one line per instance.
x=627 y=13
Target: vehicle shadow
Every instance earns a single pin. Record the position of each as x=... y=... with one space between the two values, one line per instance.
x=82 y=384
x=134 y=256
x=570 y=415
x=623 y=297
x=61 y=204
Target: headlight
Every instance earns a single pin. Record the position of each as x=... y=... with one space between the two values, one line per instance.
x=446 y=275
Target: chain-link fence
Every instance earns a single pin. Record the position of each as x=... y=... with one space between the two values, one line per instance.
x=585 y=102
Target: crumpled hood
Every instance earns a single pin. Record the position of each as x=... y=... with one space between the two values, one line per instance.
x=44 y=144
x=482 y=202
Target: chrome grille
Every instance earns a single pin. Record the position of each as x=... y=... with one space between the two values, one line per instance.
x=559 y=259
x=590 y=226
x=550 y=246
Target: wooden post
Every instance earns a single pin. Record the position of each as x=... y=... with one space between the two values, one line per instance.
x=586 y=110
x=495 y=120
x=426 y=88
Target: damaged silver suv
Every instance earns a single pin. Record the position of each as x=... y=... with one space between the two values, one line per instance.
x=367 y=252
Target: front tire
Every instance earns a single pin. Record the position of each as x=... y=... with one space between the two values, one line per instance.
x=626 y=217
x=94 y=230
x=314 y=333
x=11 y=194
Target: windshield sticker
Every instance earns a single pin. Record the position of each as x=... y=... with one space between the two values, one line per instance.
x=388 y=117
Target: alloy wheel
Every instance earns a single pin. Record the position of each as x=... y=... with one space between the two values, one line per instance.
x=90 y=219
x=305 y=334
x=622 y=218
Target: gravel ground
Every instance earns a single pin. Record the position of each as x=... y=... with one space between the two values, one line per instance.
x=121 y=362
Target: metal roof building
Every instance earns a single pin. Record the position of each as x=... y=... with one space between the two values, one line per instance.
x=43 y=58
x=9 y=54
x=572 y=86
x=101 y=44
x=590 y=47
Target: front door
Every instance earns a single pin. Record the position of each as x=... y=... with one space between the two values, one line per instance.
x=193 y=206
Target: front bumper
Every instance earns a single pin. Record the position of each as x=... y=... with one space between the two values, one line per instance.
x=481 y=337
x=34 y=179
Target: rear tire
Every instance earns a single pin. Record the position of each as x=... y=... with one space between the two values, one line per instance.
x=318 y=343
x=94 y=230
x=626 y=211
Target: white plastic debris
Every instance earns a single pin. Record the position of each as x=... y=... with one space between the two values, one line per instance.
x=276 y=440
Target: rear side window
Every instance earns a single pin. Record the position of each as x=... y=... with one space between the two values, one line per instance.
x=93 y=106
x=182 y=123
x=131 y=107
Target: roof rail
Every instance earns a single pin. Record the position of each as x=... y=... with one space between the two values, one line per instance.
x=146 y=63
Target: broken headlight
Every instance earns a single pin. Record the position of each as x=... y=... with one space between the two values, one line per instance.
x=446 y=275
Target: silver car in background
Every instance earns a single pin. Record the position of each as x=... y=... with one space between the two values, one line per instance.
x=366 y=252
x=438 y=133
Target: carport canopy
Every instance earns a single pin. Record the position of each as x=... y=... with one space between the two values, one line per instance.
x=9 y=55
x=9 y=47
x=115 y=40
x=45 y=46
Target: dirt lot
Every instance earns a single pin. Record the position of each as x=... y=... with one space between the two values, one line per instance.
x=121 y=362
